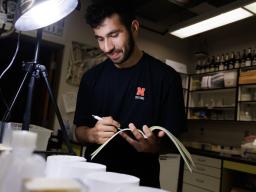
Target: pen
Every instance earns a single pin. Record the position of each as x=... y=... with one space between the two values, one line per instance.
x=97 y=117
x=100 y=118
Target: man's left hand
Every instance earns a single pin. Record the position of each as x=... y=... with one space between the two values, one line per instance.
x=151 y=144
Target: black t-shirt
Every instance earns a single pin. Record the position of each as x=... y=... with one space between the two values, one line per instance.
x=148 y=93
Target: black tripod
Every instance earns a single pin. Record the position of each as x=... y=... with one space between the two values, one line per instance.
x=36 y=70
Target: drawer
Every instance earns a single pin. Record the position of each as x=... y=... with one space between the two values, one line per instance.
x=191 y=188
x=202 y=169
x=203 y=181
x=207 y=161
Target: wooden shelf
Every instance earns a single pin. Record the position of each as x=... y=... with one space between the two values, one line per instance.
x=214 y=72
x=224 y=120
x=213 y=108
x=215 y=89
x=248 y=84
x=253 y=102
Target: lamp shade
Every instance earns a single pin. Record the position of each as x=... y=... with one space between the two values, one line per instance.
x=35 y=14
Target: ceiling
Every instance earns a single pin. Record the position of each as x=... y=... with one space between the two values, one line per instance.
x=159 y=15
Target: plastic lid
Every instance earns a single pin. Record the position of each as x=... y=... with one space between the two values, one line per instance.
x=24 y=139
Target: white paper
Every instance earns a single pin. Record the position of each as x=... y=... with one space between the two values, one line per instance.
x=69 y=100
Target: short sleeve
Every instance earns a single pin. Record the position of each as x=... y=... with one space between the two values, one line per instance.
x=83 y=105
x=173 y=110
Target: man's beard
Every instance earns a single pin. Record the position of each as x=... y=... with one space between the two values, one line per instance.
x=129 y=49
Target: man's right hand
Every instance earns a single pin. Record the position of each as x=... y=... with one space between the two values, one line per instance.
x=100 y=133
x=104 y=129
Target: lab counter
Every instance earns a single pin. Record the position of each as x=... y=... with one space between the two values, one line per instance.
x=217 y=172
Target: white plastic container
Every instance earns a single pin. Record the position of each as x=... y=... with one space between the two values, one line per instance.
x=7 y=136
x=109 y=181
x=42 y=133
x=43 y=136
x=20 y=163
x=230 y=79
x=55 y=164
x=54 y=185
x=79 y=170
x=140 y=189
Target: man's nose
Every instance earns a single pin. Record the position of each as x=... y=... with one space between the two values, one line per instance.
x=108 y=46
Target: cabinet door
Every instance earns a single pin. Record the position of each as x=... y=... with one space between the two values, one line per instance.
x=246 y=103
x=206 y=176
x=203 y=181
x=191 y=188
x=169 y=171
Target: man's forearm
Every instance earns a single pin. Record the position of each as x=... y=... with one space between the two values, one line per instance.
x=83 y=135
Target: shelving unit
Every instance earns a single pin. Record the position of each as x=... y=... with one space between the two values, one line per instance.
x=211 y=101
x=222 y=95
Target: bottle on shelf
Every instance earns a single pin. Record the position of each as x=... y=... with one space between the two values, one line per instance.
x=226 y=62
x=207 y=65
x=202 y=66
x=243 y=59
x=231 y=61
x=198 y=66
x=248 y=61
x=254 y=57
x=212 y=64
x=221 y=66
x=217 y=63
x=237 y=60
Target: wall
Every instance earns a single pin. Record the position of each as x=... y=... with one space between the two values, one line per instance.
x=164 y=47
x=235 y=37
x=219 y=132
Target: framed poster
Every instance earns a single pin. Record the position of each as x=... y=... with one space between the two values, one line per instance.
x=82 y=57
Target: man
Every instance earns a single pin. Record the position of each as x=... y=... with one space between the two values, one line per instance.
x=129 y=89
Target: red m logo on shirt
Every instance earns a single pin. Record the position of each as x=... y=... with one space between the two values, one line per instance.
x=140 y=91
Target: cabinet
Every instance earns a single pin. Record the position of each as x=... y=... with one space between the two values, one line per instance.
x=238 y=176
x=169 y=171
x=223 y=95
x=206 y=176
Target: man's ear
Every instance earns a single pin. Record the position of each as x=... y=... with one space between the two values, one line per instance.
x=135 y=26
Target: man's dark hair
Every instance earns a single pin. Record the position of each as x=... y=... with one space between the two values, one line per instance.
x=102 y=9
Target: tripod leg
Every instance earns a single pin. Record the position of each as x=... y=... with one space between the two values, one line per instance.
x=56 y=108
x=9 y=110
x=27 y=114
